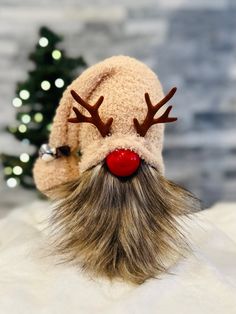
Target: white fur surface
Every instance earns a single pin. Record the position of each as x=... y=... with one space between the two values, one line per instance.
x=31 y=283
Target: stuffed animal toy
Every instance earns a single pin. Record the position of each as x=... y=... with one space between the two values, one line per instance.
x=115 y=213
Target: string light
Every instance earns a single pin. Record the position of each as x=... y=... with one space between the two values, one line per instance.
x=17 y=170
x=24 y=157
x=49 y=126
x=25 y=118
x=45 y=85
x=56 y=54
x=12 y=129
x=38 y=117
x=25 y=141
x=59 y=83
x=12 y=182
x=17 y=102
x=22 y=128
x=7 y=171
x=24 y=94
x=43 y=42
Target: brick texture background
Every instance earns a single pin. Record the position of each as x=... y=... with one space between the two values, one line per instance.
x=189 y=44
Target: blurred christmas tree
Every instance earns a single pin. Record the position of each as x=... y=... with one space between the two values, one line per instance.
x=36 y=101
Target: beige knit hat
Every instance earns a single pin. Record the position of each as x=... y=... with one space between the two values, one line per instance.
x=128 y=87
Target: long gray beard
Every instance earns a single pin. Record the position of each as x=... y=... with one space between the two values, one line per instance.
x=121 y=228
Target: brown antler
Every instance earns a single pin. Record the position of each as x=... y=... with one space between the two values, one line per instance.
x=103 y=128
x=152 y=110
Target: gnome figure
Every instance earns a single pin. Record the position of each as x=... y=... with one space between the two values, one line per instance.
x=115 y=213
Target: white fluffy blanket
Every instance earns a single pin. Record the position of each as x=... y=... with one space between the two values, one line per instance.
x=203 y=283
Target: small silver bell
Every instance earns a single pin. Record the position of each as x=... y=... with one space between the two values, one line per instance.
x=47 y=153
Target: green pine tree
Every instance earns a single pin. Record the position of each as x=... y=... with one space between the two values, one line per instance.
x=36 y=101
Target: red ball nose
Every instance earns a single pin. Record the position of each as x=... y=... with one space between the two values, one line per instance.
x=122 y=162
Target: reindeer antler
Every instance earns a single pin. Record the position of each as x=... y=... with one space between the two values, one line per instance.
x=103 y=128
x=152 y=110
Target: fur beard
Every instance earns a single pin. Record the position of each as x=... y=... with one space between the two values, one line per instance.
x=121 y=228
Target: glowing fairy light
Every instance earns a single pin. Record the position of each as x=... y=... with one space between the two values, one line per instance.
x=59 y=83
x=12 y=129
x=38 y=117
x=25 y=141
x=22 y=128
x=17 y=170
x=56 y=54
x=24 y=157
x=17 y=102
x=7 y=171
x=25 y=118
x=49 y=127
x=12 y=182
x=45 y=85
x=24 y=94
x=43 y=42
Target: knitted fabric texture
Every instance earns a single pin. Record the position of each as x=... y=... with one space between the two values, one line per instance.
x=123 y=81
